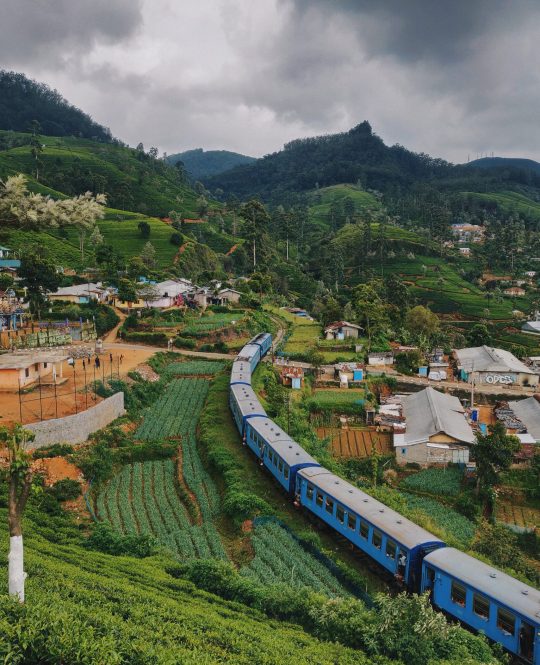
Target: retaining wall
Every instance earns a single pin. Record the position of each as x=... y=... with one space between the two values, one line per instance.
x=77 y=428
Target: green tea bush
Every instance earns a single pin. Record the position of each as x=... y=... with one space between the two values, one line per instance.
x=56 y=450
x=185 y=343
x=66 y=489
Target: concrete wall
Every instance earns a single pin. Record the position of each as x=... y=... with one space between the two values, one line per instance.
x=77 y=428
x=421 y=454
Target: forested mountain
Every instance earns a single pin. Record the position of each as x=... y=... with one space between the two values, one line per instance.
x=23 y=101
x=504 y=162
x=201 y=163
x=358 y=155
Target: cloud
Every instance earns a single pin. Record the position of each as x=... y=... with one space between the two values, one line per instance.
x=450 y=79
x=50 y=32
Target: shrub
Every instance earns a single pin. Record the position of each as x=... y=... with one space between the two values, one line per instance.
x=157 y=338
x=105 y=539
x=185 y=343
x=66 y=489
x=56 y=450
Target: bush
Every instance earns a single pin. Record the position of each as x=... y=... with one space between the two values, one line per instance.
x=56 y=450
x=66 y=489
x=105 y=539
x=184 y=343
x=158 y=338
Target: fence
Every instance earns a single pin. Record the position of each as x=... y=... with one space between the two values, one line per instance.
x=76 y=391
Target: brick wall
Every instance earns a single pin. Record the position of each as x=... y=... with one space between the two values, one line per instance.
x=77 y=428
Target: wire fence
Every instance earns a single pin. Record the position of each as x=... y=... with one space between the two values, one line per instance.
x=75 y=390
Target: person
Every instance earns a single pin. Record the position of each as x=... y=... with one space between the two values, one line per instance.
x=121 y=357
x=97 y=363
x=83 y=365
x=110 y=357
x=402 y=564
x=71 y=362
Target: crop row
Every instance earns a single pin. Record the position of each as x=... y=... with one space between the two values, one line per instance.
x=197 y=479
x=176 y=411
x=446 y=482
x=143 y=499
x=461 y=528
x=194 y=368
x=279 y=558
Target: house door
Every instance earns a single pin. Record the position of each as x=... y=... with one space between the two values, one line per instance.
x=526 y=641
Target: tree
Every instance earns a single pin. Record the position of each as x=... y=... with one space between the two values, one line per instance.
x=256 y=225
x=148 y=255
x=127 y=291
x=422 y=321
x=372 y=310
x=144 y=229
x=479 y=335
x=82 y=212
x=96 y=238
x=493 y=453
x=36 y=145
x=39 y=276
x=20 y=478
x=6 y=281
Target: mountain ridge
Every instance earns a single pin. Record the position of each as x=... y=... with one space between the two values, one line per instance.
x=200 y=163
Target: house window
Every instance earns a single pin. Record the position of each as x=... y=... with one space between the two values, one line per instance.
x=44 y=365
x=27 y=372
x=340 y=514
x=36 y=367
x=329 y=506
x=376 y=539
x=319 y=499
x=391 y=549
x=506 y=621
x=404 y=451
x=481 y=606
x=351 y=522
x=309 y=492
x=458 y=594
x=364 y=529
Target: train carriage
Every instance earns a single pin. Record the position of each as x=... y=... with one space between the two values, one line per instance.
x=486 y=599
x=251 y=353
x=244 y=405
x=241 y=373
x=393 y=541
x=280 y=454
x=263 y=341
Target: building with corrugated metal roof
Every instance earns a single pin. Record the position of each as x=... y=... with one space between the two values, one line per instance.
x=484 y=364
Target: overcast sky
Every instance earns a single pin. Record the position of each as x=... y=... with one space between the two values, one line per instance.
x=449 y=78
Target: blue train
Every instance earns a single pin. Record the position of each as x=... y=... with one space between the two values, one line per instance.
x=480 y=596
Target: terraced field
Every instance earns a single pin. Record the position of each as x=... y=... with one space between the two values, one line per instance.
x=355 y=443
x=279 y=558
x=144 y=499
x=194 y=368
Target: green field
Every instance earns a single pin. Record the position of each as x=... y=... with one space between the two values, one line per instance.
x=446 y=482
x=321 y=200
x=334 y=400
x=508 y=202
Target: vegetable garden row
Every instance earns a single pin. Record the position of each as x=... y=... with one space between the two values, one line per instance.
x=194 y=368
x=143 y=498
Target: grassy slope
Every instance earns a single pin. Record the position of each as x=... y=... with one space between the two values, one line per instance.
x=509 y=202
x=320 y=201
x=87 y=607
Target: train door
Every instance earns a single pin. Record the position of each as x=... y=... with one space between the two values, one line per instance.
x=526 y=641
x=429 y=580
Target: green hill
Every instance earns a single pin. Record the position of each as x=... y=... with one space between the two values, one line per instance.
x=509 y=202
x=201 y=163
x=131 y=179
x=504 y=162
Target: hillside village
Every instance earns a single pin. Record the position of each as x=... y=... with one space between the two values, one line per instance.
x=264 y=410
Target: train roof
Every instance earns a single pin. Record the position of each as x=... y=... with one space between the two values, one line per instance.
x=241 y=372
x=288 y=449
x=486 y=579
x=247 y=400
x=248 y=351
x=384 y=518
x=259 y=338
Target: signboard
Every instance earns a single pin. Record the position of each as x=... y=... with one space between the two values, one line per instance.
x=502 y=379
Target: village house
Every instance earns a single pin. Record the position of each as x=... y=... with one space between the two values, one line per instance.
x=8 y=261
x=468 y=233
x=292 y=376
x=20 y=370
x=514 y=291
x=341 y=330
x=81 y=293
x=531 y=327
x=380 y=358
x=435 y=430
x=465 y=251
x=486 y=365
x=521 y=418
x=226 y=296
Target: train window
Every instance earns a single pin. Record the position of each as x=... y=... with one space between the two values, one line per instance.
x=329 y=506
x=506 y=621
x=340 y=514
x=458 y=594
x=376 y=539
x=481 y=606
x=319 y=499
x=286 y=473
x=391 y=548
x=280 y=466
x=309 y=492
x=351 y=521
x=364 y=529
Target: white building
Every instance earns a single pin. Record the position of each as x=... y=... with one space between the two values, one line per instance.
x=484 y=364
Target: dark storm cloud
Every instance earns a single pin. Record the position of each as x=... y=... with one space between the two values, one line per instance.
x=443 y=30
x=49 y=32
